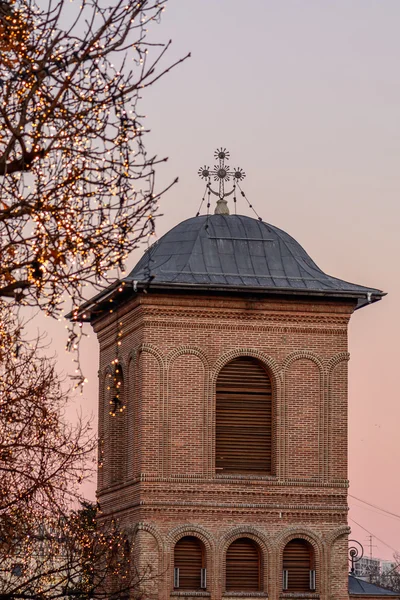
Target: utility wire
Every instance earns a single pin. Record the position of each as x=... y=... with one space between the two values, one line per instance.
x=384 y=543
x=375 y=536
x=376 y=506
x=355 y=504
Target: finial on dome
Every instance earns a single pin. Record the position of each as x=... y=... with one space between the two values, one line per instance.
x=222 y=207
x=222 y=174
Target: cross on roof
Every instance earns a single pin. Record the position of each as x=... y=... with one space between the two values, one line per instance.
x=221 y=173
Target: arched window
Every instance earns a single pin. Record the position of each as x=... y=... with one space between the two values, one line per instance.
x=243 y=569
x=189 y=564
x=298 y=566
x=243 y=418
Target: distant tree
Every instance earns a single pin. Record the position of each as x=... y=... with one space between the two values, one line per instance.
x=72 y=557
x=76 y=184
x=48 y=551
x=390 y=578
x=43 y=459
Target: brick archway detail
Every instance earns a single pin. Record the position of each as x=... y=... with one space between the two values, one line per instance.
x=276 y=382
x=130 y=373
x=105 y=431
x=103 y=424
x=107 y=370
x=303 y=354
x=247 y=531
x=123 y=366
x=182 y=350
x=198 y=532
x=133 y=355
x=336 y=360
x=185 y=350
x=104 y=378
x=283 y=445
x=304 y=534
x=154 y=351
x=301 y=532
x=267 y=361
x=152 y=530
x=132 y=404
x=334 y=535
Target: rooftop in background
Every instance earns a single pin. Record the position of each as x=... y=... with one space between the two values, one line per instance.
x=358 y=587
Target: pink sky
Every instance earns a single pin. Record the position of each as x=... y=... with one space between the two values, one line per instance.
x=306 y=97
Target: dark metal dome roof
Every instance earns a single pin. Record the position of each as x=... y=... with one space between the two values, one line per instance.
x=238 y=252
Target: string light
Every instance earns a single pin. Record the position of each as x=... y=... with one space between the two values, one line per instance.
x=77 y=195
x=76 y=184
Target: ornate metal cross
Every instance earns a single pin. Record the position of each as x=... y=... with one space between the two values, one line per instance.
x=221 y=173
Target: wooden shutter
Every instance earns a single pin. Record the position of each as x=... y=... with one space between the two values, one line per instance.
x=243 y=418
x=189 y=558
x=298 y=560
x=243 y=566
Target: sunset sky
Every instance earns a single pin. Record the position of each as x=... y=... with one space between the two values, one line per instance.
x=306 y=96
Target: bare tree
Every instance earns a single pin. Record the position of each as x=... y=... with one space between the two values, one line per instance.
x=390 y=577
x=43 y=459
x=76 y=197
x=47 y=550
x=76 y=184
x=72 y=557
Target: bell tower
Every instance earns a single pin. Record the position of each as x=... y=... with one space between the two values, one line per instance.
x=223 y=419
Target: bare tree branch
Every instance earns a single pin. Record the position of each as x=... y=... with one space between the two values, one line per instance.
x=76 y=184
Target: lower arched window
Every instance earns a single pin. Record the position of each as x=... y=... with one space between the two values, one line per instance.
x=243 y=569
x=189 y=564
x=298 y=566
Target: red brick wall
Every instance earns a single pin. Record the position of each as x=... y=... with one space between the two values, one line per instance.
x=175 y=347
x=303 y=418
x=338 y=421
x=186 y=388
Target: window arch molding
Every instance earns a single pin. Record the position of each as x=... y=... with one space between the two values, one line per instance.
x=315 y=542
x=268 y=362
x=273 y=383
x=264 y=546
x=337 y=533
x=132 y=532
x=204 y=537
x=193 y=350
x=305 y=355
x=147 y=532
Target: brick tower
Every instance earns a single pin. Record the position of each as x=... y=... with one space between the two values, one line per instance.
x=224 y=441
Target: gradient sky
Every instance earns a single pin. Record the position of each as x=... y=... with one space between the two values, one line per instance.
x=306 y=96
